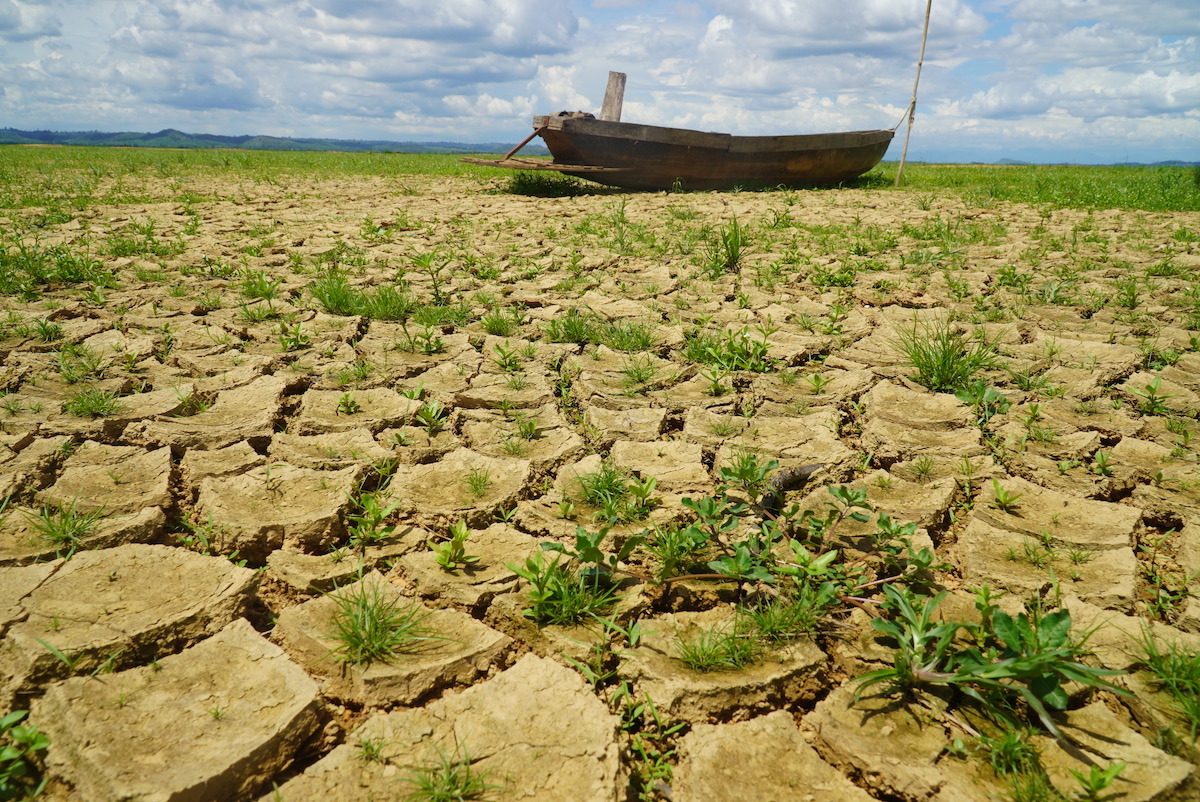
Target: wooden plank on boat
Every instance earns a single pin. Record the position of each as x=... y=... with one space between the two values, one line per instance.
x=614 y=97
x=530 y=164
x=636 y=132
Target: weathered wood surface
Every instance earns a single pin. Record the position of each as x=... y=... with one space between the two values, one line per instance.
x=614 y=97
x=535 y=164
x=658 y=158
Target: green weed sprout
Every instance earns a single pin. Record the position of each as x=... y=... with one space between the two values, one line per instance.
x=452 y=554
x=65 y=527
x=1028 y=657
x=19 y=748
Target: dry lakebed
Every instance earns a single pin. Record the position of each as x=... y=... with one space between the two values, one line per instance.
x=435 y=484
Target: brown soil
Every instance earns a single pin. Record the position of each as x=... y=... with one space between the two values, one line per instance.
x=248 y=427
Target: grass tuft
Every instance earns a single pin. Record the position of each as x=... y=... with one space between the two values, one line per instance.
x=946 y=360
x=451 y=778
x=64 y=527
x=91 y=402
x=372 y=626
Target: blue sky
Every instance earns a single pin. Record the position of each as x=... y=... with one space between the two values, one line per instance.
x=1040 y=80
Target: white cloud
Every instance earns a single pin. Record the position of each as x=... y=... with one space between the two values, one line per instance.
x=556 y=85
x=1087 y=94
x=485 y=107
x=21 y=21
x=1158 y=17
x=879 y=27
x=998 y=73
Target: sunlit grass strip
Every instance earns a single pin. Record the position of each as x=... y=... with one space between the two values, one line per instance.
x=25 y=166
x=1147 y=188
x=79 y=170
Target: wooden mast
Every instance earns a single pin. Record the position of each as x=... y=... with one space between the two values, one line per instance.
x=614 y=97
x=912 y=104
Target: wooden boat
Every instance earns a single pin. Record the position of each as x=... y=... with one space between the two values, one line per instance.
x=637 y=156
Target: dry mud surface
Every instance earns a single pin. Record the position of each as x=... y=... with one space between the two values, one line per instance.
x=185 y=651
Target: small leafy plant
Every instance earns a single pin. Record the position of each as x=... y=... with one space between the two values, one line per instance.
x=1029 y=657
x=367 y=520
x=731 y=350
x=1152 y=402
x=20 y=749
x=1097 y=780
x=563 y=593
x=1004 y=500
x=348 y=405
x=452 y=555
x=986 y=401
x=292 y=337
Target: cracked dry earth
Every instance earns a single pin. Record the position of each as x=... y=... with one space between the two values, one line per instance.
x=183 y=649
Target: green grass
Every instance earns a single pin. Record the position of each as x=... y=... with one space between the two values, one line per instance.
x=29 y=268
x=585 y=327
x=1150 y=189
x=77 y=173
x=718 y=650
x=91 y=402
x=726 y=249
x=789 y=615
x=573 y=326
x=77 y=170
x=371 y=626
x=616 y=497
x=78 y=363
x=945 y=359
x=547 y=185
x=1175 y=672
x=337 y=296
x=64 y=527
x=450 y=778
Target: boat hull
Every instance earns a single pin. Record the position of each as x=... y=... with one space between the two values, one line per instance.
x=654 y=157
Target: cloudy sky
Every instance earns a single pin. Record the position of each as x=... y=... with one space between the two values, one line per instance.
x=1039 y=80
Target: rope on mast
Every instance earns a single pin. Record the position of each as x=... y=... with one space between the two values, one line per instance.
x=912 y=105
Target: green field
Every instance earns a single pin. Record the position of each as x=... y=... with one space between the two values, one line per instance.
x=37 y=176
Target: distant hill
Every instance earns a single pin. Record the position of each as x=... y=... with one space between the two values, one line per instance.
x=1170 y=163
x=171 y=138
